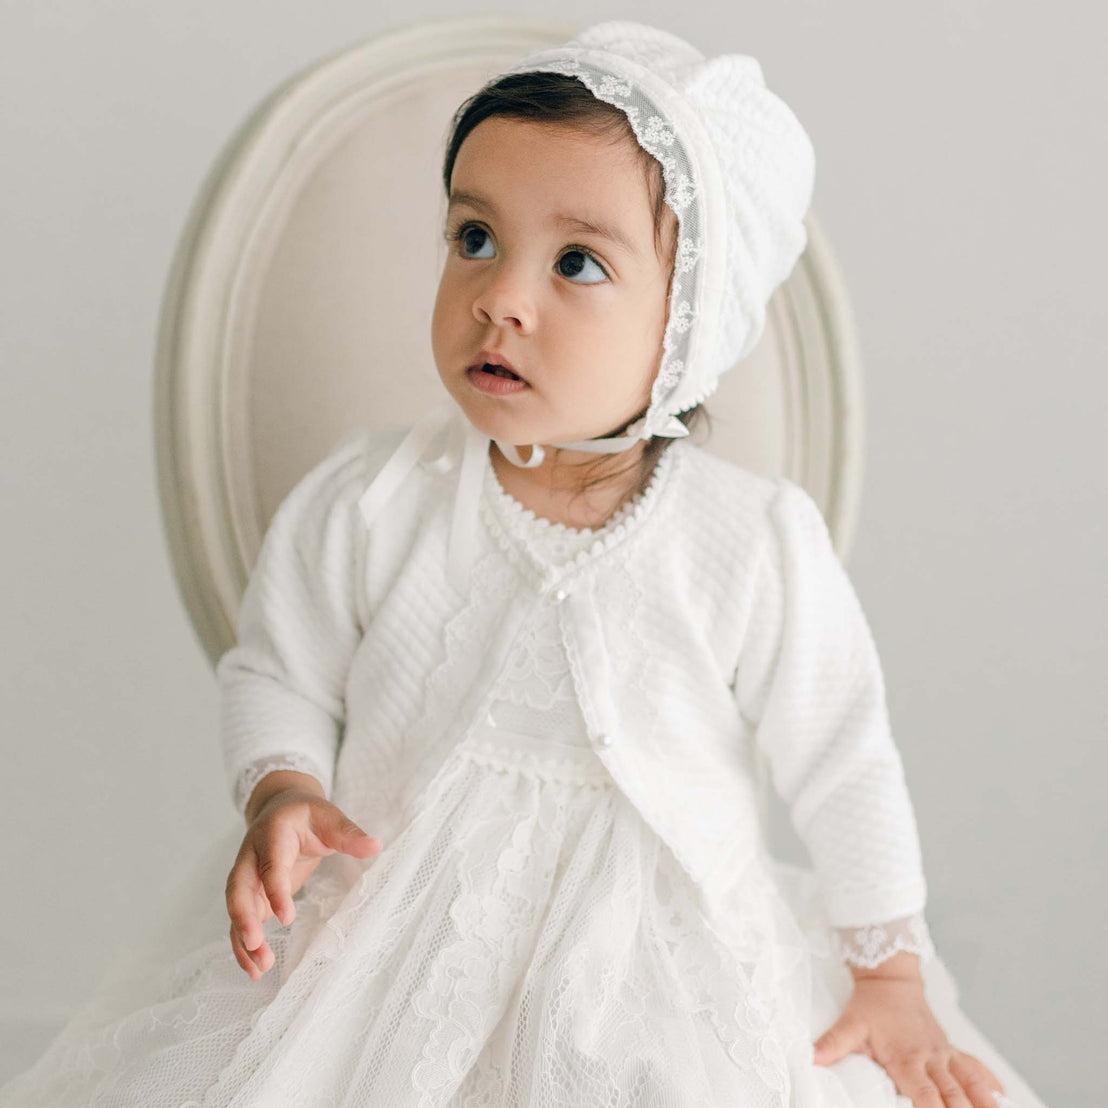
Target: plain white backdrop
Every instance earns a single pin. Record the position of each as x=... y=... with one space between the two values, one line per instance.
x=961 y=169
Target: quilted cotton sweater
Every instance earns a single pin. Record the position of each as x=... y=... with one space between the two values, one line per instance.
x=715 y=618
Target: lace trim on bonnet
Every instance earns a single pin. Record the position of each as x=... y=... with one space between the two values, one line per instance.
x=659 y=140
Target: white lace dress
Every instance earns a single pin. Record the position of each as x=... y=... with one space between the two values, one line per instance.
x=525 y=940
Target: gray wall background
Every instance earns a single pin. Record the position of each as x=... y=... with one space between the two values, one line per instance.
x=960 y=178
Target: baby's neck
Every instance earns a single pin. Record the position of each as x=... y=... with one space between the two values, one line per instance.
x=552 y=495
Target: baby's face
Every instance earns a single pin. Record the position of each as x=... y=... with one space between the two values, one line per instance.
x=584 y=330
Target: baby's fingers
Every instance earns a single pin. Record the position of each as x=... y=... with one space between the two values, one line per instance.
x=977 y=1079
x=337 y=831
x=275 y=858
x=254 y=962
x=247 y=904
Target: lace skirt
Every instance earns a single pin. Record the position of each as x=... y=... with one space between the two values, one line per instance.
x=526 y=940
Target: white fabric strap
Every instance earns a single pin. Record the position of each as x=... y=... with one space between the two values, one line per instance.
x=410 y=450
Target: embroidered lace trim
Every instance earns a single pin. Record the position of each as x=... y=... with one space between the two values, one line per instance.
x=875 y=943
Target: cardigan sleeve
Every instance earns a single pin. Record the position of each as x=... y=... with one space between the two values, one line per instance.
x=282 y=685
x=810 y=683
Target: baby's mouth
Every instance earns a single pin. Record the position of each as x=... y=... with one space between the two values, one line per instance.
x=496 y=371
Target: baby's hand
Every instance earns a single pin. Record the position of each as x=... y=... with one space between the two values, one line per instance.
x=890 y=1020
x=291 y=833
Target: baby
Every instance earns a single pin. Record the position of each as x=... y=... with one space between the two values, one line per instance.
x=549 y=328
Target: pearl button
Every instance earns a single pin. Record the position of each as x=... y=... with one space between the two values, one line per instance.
x=561 y=594
x=604 y=739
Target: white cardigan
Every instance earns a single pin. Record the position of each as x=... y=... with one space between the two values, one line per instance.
x=716 y=615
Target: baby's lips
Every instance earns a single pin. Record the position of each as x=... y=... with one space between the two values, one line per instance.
x=493 y=357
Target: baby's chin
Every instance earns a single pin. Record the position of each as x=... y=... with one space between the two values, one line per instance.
x=503 y=417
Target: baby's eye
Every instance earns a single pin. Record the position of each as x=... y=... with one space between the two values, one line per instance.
x=470 y=233
x=576 y=267
x=466 y=234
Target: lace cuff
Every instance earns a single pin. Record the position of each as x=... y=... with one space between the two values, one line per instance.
x=256 y=770
x=872 y=944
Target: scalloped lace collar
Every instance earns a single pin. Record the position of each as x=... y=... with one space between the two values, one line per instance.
x=552 y=542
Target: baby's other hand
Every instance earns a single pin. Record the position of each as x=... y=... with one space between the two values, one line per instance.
x=291 y=833
x=890 y=1020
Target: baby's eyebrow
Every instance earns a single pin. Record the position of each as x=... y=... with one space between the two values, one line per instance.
x=560 y=219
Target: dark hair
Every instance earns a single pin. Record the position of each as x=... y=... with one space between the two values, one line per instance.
x=559 y=100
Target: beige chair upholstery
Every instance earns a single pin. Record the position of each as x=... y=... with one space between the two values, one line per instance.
x=298 y=306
